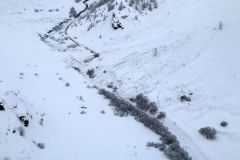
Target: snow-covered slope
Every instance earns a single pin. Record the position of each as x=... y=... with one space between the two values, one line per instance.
x=180 y=48
x=35 y=78
x=171 y=49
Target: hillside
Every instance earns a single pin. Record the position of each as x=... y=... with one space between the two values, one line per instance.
x=182 y=55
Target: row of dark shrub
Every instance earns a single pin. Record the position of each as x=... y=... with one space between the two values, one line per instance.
x=143 y=103
x=170 y=145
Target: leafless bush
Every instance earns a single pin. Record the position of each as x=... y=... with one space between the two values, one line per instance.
x=208 y=132
x=220 y=25
x=170 y=144
x=24 y=120
x=110 y=6
x=184 y=98
x=67 y=84
x=161 y=115
x=224 y=123
x=91 y=73
x=144 y=104
x=159 y=146
x=73 y=12
x=21 y=131
x=41 y=145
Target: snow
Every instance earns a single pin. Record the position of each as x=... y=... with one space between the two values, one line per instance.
x=33 y=78
x=175 y=50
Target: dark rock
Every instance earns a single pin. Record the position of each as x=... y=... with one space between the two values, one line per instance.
x=223 y=123
x=41 y=145
x=185 y=98
x=2 y=107
x=24 y=120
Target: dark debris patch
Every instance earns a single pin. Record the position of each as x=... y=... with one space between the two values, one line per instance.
x=224 y=123
x=185 y=98
x=2 y=107
x=83 y=112
x=39 y=145
x=24 y=120
x=91 y=73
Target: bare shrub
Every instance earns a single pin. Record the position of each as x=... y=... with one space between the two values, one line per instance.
x=24 y=120
x=208 y=132
x=153 y=108
x=110 y=6
x=73 y=12
x=91 y=73
x=184 y=98
x=120 y=7
x=21 y=131
x=83 y=112
x=41 y=145
x=67 y=84
x=143 y=103
x=161 y=115
x=170 y=145
x=224 y=123
x=159 y=146
x=175 y=152
x=220 y=26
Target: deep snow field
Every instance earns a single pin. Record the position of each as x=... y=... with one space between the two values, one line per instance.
x=187 y=47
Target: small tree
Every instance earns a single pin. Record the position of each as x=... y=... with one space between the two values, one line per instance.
x=120 y=6
x=184 y=98
x=21 y=131
x=131 y=2
x=155 y=4
x=220 y=25
x=24 y=120
x=110 y=6
x=208 y=132
x=161 y=115
x=73 y=12
x=41 y=145
x=223 y=123
x=150 y=7
x=91 y=73
x=144 y=5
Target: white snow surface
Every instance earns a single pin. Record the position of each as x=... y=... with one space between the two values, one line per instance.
x=33 y=78
x=172 y=51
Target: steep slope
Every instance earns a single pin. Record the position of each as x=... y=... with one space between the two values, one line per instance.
x=164 y=49
x=180 y=48
x=64 y=113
